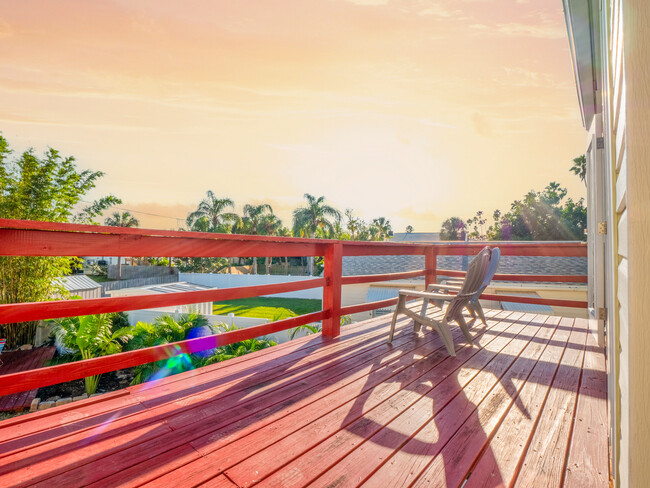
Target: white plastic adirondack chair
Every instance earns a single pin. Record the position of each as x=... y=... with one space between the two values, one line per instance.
x=474 y=305
x=473 y=280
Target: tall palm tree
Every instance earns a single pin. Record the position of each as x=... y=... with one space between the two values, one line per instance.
x=253 y=220
x=315 y=215
x=124 y=219
x=271 y=225
x=211 y=215
x=381 y=228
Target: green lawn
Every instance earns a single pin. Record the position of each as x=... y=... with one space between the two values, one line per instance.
x=99 y=278
x=267 y=307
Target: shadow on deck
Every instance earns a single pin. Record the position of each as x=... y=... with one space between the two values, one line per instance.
x=525 y=405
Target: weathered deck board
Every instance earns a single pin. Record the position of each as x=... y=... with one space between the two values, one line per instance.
x=512 y=436
x=545 y=458
x=15 y=361
x=349 y=411
x=587 y=461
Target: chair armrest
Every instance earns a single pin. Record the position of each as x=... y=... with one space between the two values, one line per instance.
x=434 y=286
x=454 y=282
x=426 y=295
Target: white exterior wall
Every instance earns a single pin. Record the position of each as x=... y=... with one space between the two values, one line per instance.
x=204 y=308
x=232 y=281
x=625 y=91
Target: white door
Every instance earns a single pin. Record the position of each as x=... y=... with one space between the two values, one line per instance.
x=596 y=229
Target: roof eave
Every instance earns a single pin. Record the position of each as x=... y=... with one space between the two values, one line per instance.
x=582 y=22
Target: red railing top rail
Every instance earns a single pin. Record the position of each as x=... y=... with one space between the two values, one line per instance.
x=35 y=238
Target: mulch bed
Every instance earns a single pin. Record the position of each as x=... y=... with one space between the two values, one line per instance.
x=115 y=380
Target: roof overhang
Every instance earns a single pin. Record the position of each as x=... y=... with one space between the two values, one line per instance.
x=583 y=21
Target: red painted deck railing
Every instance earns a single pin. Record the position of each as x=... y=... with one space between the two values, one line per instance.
x=29 y=238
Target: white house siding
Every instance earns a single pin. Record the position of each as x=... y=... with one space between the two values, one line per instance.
x=626 y=78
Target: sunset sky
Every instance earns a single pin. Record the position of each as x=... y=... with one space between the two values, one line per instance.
x=415 y=110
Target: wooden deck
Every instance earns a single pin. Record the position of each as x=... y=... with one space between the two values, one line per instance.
x=15 y=361
x=524 y=406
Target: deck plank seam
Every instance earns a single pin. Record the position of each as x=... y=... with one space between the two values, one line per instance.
x=573 y=416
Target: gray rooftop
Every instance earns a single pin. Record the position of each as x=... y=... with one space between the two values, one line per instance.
x=363 y=265
x=416 y=237
x=77 y=283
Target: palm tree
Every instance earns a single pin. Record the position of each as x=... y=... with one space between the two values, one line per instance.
x=210 y=215
x=307 y=220
x=381 y=228
x=271 y=225
x=124 y=219
x=253 y=221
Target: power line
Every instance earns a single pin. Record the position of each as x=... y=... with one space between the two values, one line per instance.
x=140 y=212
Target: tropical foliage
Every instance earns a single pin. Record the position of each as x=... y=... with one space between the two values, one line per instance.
x=90 y=336
x=212 y=216
x=124 y=219
x=47 y=188
x=165 y=330
x=579 y=168
x=547 y=215
x=540 y=216
x=309 y=329
x=236 y=349
x=453 y=229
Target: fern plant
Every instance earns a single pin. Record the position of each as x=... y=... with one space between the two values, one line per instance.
x=236 y=349
x=90 y=336
x=164 y=330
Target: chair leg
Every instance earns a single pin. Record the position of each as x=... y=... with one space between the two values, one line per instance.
x=479 y=311
x=398 y=309
x=425 y=304
x=445 y=335
x=463 y=327
x=470 y=309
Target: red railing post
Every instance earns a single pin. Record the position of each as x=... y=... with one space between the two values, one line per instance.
x=431 y=266
x=332 y=290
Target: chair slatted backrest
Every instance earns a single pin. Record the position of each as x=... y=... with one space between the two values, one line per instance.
x=474 y=278
x=492 y=269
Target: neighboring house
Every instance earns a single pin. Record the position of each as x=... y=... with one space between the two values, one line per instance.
x=204 y=308
x=543 y=265
x=104 y=260
x=75 y=285
x=610 y=48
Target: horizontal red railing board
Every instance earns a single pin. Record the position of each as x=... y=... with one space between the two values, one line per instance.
x=103 y=229
x=552 y=302
x=36 y=378
x=364 y=307
x=554 y=249
x=523 y=277
x=155 y=242
x=355 y=280
x=24 y=312
x=45 y=243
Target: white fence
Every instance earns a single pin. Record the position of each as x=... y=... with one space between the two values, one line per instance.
x=230 y=319
x=137 y=282
x=233 y=281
